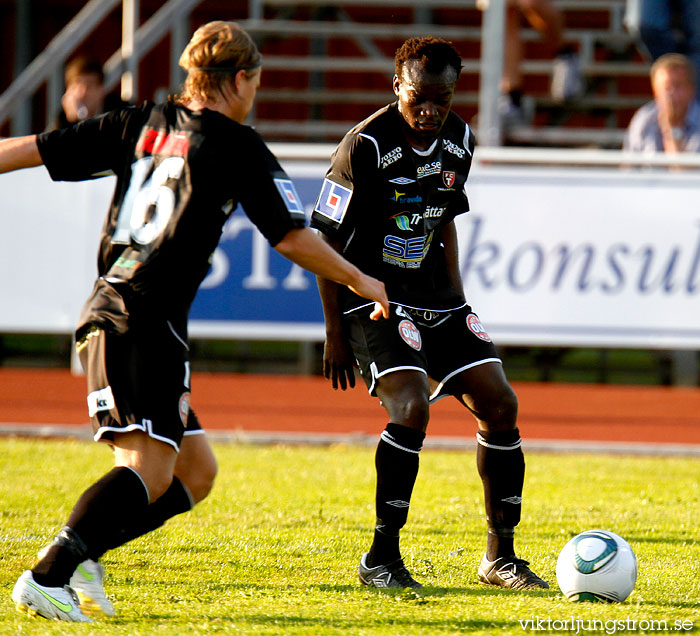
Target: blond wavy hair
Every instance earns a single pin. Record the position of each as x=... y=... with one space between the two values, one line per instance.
x=216 y=52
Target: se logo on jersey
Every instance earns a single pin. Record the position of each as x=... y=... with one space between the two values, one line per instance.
x=289 y=194
x=333 y=201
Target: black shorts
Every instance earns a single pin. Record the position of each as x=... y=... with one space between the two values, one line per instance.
x=139 y=381
x=439 y=344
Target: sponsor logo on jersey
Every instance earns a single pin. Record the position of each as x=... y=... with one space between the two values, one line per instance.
x=403 y=222
x=453 y=148
x=158 y=142
x=448 y=178
x=390 y=157
x=289 y=195
x=477 y=328
x=100 y=400
x=333 y=201
x=406 y=252
x=433 y=212
x=400 y=197
x=429 y=168
x=410 y=334
x=402 y=180
x=184 y=407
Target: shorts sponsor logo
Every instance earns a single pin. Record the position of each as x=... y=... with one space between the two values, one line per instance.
x=448 y=178
x=333 y=201
x=477 y=328
x=101 y=400
x=289 y=195
x=390 y=157
x=184 y=407
x=410 y=334
x=453 y=148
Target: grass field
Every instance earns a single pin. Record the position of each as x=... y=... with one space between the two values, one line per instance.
x=274 y=550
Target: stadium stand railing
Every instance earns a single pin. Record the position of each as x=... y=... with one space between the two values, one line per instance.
x=329 y=63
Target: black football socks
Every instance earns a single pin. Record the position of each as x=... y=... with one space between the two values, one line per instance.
x=501 y=465
x=174 y=501
x=396 y=461
x=98 y=515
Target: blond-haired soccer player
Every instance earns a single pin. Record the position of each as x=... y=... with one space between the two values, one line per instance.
x=182 y=167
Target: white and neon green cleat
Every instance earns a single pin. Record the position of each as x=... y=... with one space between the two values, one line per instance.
x=58 y=603
x=87 y=582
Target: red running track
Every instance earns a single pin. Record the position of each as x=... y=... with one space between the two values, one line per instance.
x=302 y=404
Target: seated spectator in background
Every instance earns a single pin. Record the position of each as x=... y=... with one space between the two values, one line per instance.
x=85 y=93
x=671 y=122
x=542 y=15
x=670 y=26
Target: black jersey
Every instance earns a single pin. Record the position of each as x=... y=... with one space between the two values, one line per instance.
x=180 y=174
x=387 y=203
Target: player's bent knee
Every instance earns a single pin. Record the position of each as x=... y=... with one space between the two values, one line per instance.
x=200 y=480
x=412 y=412
x=202 y=484
x=501 y=412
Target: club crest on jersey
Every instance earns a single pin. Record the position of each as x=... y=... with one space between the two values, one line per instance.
x=477 y=328
x=410 y=335
x=333 y=201
x=289 y=195
x=184 y=407
x=448 y=177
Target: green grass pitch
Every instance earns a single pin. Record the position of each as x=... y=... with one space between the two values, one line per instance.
x=274 y=550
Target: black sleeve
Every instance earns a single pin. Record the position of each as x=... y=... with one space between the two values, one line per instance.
x=93 y=146
x=266 y=193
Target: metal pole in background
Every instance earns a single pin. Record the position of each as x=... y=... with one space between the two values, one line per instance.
x=492 y=45
x=130 y=18
x=22 y=115
x=179 y=37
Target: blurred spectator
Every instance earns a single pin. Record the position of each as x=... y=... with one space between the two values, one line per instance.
x=671 y=122
x=542 y=15
x=669 y=26
x=85 y=93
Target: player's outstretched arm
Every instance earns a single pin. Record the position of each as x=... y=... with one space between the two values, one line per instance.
x=307 y=250
x=19 y=152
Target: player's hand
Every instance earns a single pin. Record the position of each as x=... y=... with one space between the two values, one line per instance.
x=338 y=362
x=373 y=289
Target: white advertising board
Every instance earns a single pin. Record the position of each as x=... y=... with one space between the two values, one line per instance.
x=584 y=256
x=550 y=256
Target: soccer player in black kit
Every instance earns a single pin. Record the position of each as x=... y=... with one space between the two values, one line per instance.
x=388 y=203
x=182 y=167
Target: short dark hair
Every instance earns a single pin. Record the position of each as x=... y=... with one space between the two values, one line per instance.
x=434 y=53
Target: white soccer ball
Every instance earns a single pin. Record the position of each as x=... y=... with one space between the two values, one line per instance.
x=597 y=565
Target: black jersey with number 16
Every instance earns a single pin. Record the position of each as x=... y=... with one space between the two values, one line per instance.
x=180 y=174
